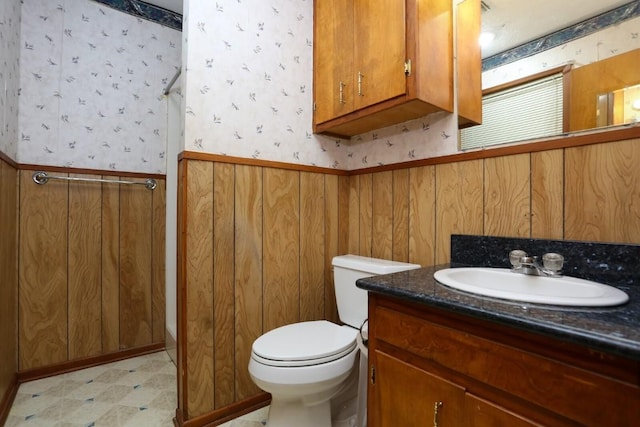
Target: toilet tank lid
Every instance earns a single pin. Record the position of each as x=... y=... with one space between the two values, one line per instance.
x=372 y=265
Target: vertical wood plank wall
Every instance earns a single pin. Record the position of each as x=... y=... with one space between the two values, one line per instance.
x=8 y=280
x=257 y=255
x=91 y=275
x=259 y=240
x=585 y=193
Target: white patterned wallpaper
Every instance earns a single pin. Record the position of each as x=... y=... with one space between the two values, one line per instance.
x=91 y=79
x=248 y=91
x=604 y=44
x=9 y=76
x=91 y=87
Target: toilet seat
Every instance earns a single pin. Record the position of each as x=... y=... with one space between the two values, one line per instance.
x=304 y=344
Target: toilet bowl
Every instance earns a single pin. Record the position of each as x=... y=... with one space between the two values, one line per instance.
x=303 y=366
x=312 y=369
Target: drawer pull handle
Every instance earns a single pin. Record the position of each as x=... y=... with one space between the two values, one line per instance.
x=342 y=85
x=436 y=407
x=360 y=76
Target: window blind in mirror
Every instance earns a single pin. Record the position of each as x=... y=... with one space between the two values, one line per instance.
x=531 y=110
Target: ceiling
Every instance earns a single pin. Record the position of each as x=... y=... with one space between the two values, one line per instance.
x=513 y=22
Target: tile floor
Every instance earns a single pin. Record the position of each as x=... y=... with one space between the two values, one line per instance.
x=139 y=392
x=253 y=419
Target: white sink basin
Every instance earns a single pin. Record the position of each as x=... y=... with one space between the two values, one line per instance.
x=503 y=283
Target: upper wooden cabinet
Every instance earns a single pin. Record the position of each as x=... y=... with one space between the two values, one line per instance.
x=333 y=32
x=469 y=63
x=380 y=62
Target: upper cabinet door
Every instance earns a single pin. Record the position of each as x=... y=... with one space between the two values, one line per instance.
x=333 y=59
x=469 y=64
x=379 y=51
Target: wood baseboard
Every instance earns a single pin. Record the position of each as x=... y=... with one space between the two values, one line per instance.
x=75 y=365
x=222 y=415
x=7 y=400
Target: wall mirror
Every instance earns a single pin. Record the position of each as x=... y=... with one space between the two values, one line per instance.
x=619 y=107
x=599 y=38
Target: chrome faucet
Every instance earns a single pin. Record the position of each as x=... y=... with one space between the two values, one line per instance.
x=522 y=263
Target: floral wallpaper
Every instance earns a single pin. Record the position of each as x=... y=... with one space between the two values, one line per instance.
x=248 y=91
x=610 y=41
x=9 y=76
x=91 y=87
x=91 y=80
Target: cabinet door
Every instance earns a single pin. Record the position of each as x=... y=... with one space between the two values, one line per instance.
x=407 y=396
x=469 y=63
x=379 y=51
x=333 y=59
x=481 y=413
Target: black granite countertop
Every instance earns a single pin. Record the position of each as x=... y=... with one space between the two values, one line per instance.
x=613 y=330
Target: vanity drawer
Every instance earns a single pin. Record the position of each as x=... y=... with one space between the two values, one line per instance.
x=584 y=396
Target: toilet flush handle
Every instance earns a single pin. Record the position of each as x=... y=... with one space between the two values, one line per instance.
x=365 y=341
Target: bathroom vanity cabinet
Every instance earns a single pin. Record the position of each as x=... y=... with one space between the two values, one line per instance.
x=382 y=62
x=433 y=366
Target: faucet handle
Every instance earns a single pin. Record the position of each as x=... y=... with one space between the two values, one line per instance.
x=553 y=262
x=515 y=257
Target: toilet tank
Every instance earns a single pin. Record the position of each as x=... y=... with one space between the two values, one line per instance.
x=351 y=300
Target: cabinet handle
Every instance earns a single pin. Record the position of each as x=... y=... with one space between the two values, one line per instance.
x=342 y=85
x=360 y=76
x=436 y=407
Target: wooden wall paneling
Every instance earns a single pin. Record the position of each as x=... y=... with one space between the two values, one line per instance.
x=366 y=214
x=158 y=271
x=223 y=284
x=181 y=284
x=8 y=278
x=110 y=266
x=248 y=272
x=43 y=325
x=344 y=214
x=459 y=199
x=281 y=257
x=135 y=266
x=199 y=288
x=401 y=215
x=602 y=192
x=312 y=246
x=353 y=228
x=422 y=215
x=84 y=269
x=507 y=196
x=382 y=220
x=334 y=216
x=547 y=194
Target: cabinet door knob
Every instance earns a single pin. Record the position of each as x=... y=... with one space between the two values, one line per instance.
x=436 y=407
x=360 y=76
x=342 y=85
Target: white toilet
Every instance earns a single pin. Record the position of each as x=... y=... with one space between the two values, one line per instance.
x=309 y=367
